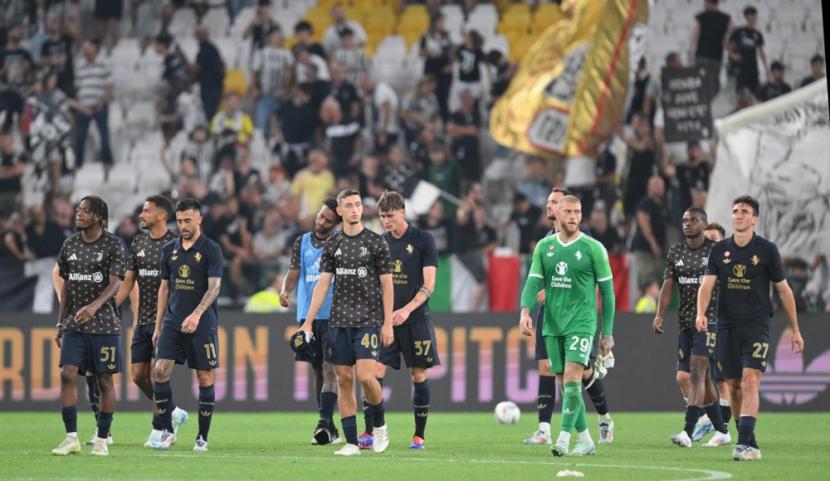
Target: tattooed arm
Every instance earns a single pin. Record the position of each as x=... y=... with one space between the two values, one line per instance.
x=192 y=321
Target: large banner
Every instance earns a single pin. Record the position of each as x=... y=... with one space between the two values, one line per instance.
x=779 y=152
x=570 y=89
x=485 y=359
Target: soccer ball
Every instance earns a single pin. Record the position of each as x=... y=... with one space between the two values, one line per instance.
x=507 y=412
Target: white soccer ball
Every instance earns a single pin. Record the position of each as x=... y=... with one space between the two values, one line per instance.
x=507 y=412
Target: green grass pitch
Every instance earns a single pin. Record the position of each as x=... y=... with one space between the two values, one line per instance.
x=266 y=446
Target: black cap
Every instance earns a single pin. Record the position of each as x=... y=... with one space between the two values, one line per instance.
x=776 y=66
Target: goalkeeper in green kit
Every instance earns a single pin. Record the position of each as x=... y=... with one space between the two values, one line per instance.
x=569 y=266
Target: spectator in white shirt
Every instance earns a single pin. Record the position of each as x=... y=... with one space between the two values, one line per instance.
x=381 y=103
x=272 y=67
x=331 y=39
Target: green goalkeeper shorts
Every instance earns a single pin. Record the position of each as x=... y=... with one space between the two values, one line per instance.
x=571 y=348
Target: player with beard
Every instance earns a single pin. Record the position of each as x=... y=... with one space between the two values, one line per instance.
x=304 y=273
x=144 y=267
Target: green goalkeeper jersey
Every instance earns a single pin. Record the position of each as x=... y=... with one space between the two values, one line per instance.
x=570 y=273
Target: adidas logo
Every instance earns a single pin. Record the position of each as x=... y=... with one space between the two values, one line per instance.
x=73 y=257
x=787 y=382
x=140 y=254
x=205 y=413
x=337 y=253
x=679 y=263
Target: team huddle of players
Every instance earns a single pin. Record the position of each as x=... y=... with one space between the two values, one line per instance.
x=361 y=304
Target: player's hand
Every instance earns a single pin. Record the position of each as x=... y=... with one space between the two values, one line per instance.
x=657 y=325
x=606 y=345
x=59 y=334
x=797 y=342
x=400 y=316
x=285 y=299
x=540 y=297
x=387 y=335
x=85 y=313
x=701 y=323
x=526 y=324
x=190 y=323
x=307 y=328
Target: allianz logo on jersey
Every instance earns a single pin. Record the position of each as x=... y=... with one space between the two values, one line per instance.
x=346 y=271
x=689 y=280
x=94 y=277
x=787 y=382
x=149 y=272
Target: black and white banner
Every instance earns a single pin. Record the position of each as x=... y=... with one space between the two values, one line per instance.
x=686 y=103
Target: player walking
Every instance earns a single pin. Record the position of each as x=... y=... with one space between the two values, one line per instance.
x=191 y=276
x=744 y=265
x=570 y=265
x=685 y=265
x=305 y=269
x=144 y=267
x=91 y=264
x=414 y=265
x=361 y=316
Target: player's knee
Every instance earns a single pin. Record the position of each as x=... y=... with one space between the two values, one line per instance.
x=419 y=375
x=161 y=374
x=682 y=378
x=105 y=383
x=366 y=378
x=205 y=378
x=345 y=379
x=68 y=374
x=544 y=368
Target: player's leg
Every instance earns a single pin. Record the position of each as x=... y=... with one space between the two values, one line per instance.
x=141 y=370
x=365 y=438
x=162 y=392
x=365 y=346
x=107 y=388
x=713 y=412
x=207 y=401
x=328 y=401
x=569 y=355
x=339 y=353
x=754 y=341
x=725 y=399
x=104 y=359
x=417 y=343
x=592 y=382
x=545 y=390
x=326 y=386
x=69 y=362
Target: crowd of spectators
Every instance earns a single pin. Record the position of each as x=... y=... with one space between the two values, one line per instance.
x=330 y=122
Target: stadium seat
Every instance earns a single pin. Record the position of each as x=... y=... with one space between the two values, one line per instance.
x=483 y=19
x=235 y=81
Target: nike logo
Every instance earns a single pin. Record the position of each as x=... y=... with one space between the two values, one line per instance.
x=787 y=382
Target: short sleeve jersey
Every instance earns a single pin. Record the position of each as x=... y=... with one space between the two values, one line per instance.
x=685 y=267
x=744 y=276
x=357 y=263
x=187 y=272
x=410 y=254
x=86 y=268
x=145 y=261
x=570 y=272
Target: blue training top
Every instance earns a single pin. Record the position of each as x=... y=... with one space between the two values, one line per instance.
x=309 y=276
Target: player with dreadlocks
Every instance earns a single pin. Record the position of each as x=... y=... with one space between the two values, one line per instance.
x=91 y=264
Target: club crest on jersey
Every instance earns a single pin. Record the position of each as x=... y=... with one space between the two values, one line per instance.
x=562 y=268
x=140 y=254
x=550 y=250
x=99 y=257
x=184 y=271
x=409 y=249
x=755 y=260
x=578 y=255
x=364 y=251
x=198 y=256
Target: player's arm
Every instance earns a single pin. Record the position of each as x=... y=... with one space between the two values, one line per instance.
x=191 y=322
x=605 y=280
x=388 y=292
x=57 y=281
x=664 y=299
x=401 y=315
x=289 y=282
x=126 y=288
x=535 y=281
x=704 y=296
x=161 y=306
x=318 y=297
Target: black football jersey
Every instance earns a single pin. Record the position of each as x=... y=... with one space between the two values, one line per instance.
x=685 y=267
x=145 y=261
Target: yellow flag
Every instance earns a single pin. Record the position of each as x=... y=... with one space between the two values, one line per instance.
x=570 y=90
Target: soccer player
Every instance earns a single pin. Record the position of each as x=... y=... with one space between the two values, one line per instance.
x=744 y=265
x=91 y=263
x=305 y=268
x=570 y=265
x=361 y=316
x=414 y=265
x=546 y=393
x=685 y=265
x=717 y=233
x=186 y=318
x=144 y=267
x=92 y=390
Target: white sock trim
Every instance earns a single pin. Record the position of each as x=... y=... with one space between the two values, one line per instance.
x=585 y=436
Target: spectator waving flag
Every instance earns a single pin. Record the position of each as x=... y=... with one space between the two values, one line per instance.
x=570 y=90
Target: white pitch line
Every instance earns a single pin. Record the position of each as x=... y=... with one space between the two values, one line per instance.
x=705 y=474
